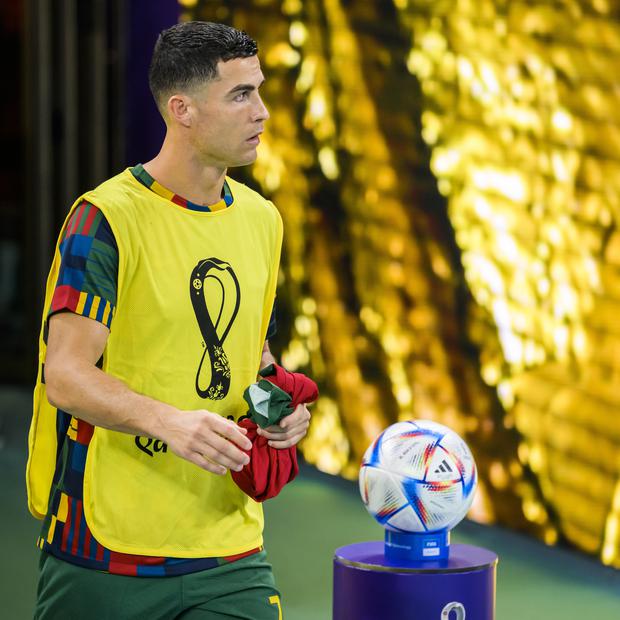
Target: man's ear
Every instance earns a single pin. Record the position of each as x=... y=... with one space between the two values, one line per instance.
x=178 y=108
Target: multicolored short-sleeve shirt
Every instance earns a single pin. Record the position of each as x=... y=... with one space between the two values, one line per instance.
x=87 y=285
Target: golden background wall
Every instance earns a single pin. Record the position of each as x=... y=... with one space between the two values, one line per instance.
x=448 y=172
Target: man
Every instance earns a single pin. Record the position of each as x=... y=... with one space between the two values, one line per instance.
x=157 y=309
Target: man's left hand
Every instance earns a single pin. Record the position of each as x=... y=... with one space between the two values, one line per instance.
x=290 y=431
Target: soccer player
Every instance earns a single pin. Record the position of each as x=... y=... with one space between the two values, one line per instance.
x=157 y=313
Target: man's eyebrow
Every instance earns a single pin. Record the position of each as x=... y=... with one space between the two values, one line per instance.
x=241 y=87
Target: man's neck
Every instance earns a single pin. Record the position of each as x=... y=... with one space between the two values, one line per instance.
x=179 y=171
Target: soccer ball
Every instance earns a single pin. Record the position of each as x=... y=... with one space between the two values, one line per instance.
x=418 y=476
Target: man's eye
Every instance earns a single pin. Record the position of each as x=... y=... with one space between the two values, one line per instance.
x=242 y=96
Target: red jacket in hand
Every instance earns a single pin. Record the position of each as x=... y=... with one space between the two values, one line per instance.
x=270 y=468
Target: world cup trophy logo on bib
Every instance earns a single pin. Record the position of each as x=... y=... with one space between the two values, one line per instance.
x=216 y=296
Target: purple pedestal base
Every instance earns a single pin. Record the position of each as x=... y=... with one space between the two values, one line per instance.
x=368 y=587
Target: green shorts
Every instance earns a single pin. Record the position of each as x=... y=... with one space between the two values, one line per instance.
x=243 y=589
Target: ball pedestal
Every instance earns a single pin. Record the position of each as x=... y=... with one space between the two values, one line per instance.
x=368 y=585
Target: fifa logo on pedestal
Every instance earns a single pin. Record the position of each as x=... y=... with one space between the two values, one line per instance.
x=457 y=608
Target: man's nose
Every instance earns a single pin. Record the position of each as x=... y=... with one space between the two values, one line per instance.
x=261 y=113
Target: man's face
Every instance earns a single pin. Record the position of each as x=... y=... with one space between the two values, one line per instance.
x=228 y=114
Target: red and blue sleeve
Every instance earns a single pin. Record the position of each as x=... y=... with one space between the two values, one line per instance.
x=88 y=275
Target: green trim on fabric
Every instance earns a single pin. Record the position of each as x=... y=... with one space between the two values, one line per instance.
x=275 y=401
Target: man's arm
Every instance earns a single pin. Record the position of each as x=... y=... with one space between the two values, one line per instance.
x=267 y=356
x=292 y=428
x=75 y=384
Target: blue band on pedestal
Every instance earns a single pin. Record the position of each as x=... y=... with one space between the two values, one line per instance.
x=416 y=547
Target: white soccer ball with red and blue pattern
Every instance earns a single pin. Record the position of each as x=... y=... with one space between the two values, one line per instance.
x=418 y=476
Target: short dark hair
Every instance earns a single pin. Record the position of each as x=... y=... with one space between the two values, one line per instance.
x=187 y=54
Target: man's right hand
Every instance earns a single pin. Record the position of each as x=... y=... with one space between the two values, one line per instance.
x=75 y=384
x=207 y=440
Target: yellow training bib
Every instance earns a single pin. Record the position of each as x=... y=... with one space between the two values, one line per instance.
x=195 y=292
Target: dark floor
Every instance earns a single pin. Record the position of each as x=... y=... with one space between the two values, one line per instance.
x=305 y=524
